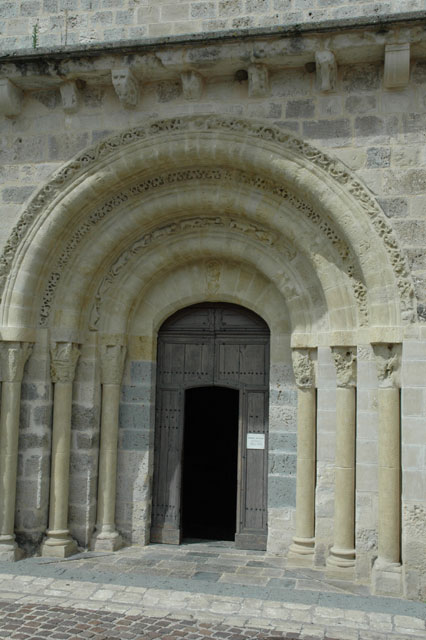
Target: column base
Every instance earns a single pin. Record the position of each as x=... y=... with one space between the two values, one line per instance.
x=386 y=578
x=58 y=544
x=9 y=550
x=301 y=552
x=340 y=564
x=106 y=541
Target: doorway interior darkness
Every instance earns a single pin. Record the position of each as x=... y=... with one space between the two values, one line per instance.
x=210 y=459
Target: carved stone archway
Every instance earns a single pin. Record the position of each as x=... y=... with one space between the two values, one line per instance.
x=173 y=213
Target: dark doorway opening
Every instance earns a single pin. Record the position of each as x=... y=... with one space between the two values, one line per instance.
x=210 y=455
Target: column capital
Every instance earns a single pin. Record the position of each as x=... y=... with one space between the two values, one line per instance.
x=13 y=356
x=64 y=356
x=388 y=363
x=345 y=363
x=112 y=363
x=303 y=367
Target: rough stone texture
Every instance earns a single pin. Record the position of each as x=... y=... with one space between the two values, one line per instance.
x=377 y=134
x=31 y=23
x=135 y=451
x=84 y=447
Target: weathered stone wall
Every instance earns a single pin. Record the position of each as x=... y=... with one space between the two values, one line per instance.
x=47 y=23
x=378 y=133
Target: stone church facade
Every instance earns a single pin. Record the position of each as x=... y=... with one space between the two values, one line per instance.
x=213 y=222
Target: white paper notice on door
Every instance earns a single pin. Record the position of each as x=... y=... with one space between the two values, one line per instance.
x=255 y=441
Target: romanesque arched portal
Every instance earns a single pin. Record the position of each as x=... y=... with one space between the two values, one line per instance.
x=174 y=213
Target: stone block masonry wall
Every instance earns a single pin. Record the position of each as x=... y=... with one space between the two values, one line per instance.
x=377 y=133
x=282 y=457
x=84 y=446
x=48 y=23
x=413 y=455
x=366 y=505
x=326 y=452
x=34 y=452
x=135 y=452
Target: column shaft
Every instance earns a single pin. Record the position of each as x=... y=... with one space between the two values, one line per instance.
x=112 y=358
x=9 y=436
x=389 y=475
x=13 y=356
x=61 y=442
x=108 y=457
x=342 y=553
x=58 y=542
x=303 y=542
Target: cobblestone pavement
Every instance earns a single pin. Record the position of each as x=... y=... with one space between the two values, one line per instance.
x=196 y=590
x=36 y=622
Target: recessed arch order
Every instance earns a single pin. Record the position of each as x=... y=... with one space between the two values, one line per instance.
x=197 y=208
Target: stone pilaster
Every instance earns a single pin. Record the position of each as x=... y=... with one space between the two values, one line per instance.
x=13 y=356
x=112 y=364
x=302 y=549
x=342 y=553
x=58 y=543
x=387 y=572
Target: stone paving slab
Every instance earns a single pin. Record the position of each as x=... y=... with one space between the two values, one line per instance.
x=227 y=589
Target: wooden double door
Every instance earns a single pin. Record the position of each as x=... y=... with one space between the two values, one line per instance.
x=211 y=433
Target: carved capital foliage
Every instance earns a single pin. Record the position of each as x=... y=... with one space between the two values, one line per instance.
x=64 y=357
x=345 y=363
x=258 y=81
x=112 y=363
x=388 y=363
x=303 y=367
x=126 y=87
x=13 y=356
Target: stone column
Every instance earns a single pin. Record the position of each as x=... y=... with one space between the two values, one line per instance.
x=304 y=540
x=58 y=543
x=342 y=553
x=387 y=568
x=112 y=364
x=13 y=356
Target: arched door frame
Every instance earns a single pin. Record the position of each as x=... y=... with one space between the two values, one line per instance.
x=212 y=357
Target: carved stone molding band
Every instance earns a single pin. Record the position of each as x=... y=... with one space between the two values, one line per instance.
x=264 y=235
x=345 y=363
x=64 y=356
x=13 y=356
x=112 y=363
x=303 y=367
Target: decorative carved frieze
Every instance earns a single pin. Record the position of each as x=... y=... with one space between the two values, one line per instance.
x=263 y=235
x=397 y=65
x=64 y=357
x=10 y=98
x=126 y=87
x=258 y=81
x=326 y=68
x=388 y=363
x=303 y=367
x=339 y=173
x=13 y=356
x=70 y=97
x=192 y=85
x=345 y=363
x=112 y=363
